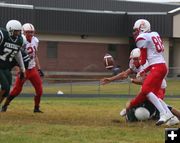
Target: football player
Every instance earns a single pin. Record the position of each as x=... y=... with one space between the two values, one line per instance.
x=33 y=72
x=10 y=43
x=135 y=67
x=154 y=113
x=152 y=49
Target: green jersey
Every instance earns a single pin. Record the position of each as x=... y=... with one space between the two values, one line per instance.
x=9 y=47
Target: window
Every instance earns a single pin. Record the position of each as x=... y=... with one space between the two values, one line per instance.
x=112 y=49
x=52 y=50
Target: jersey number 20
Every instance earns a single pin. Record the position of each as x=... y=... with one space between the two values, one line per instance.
x=158 y=43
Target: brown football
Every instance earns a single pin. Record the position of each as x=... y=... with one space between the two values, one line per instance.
x=108 y=61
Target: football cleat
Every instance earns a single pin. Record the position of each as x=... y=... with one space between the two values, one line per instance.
x=123 y=112
x=164 y=118
x=37 y=111
x=173 y=121
x=4 y=108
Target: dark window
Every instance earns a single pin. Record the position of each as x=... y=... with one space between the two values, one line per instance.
x=112 y=49
x=52 y=50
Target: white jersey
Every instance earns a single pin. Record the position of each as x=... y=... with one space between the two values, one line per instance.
x=141 y=68
x=154 y=45
x=31 y=49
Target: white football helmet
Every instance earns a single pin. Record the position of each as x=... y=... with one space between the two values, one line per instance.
x=135 y=53
x=142 y=114
x=28 y=27
x=13 y=25
x=142 y=25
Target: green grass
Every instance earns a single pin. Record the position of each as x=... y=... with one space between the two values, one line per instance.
x=113 y=88
x=77 y=120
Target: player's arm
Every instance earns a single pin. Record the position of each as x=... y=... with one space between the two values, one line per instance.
x=175 y=112
x=141 y=43
x=19 y=59
x=1 y=37
x=120 y=76
x=139 y=79
x=37 y=62
x=38 y=66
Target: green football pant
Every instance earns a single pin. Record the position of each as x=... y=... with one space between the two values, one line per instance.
x=5 y=81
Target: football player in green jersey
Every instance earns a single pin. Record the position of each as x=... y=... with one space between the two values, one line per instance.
x=10 y=43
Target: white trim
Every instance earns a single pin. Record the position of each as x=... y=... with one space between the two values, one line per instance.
x=81 y=10
x=147 y=13
x=2 y=37
x=16 y=6
x=174 y=10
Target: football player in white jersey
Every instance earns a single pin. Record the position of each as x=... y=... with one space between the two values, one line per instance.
x=33 y=71
x=152 y=48
x=124 y=74
x=141 y=101
x=135 y=68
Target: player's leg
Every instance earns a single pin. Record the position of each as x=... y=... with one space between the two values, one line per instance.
x=154 y=113
x=151 y=85
x=174 y=120
x=17 y=88
x=175 y=112
x=5 y=76
x=161 y=93
x=37 y=84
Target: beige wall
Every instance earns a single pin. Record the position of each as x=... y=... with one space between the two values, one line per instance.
x=89 y=39
x=166 y=50
x=176 y=53
x=176 y=25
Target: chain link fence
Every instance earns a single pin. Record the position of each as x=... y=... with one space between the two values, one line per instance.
x=90 y=84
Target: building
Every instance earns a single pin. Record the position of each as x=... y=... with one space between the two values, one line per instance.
x=76 y=34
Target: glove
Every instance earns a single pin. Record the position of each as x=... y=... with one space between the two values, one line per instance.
x=41 y=73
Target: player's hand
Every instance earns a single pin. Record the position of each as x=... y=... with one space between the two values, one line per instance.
x=141 y=74
x=124 y=75
x=41 y=73
x=22 y=75
x=105 y=81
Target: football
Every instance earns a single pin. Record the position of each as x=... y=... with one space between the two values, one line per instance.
x=142 y=114
x=108 y=61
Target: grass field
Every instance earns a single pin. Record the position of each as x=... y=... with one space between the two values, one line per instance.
x=76 y=120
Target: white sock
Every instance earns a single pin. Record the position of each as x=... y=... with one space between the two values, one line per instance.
x=165 y=107
x=153 y=98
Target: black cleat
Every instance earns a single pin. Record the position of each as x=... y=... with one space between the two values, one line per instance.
x=4 y=108
x=37 y=111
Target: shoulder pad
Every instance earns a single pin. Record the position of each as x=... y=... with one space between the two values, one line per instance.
x=36 y=39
